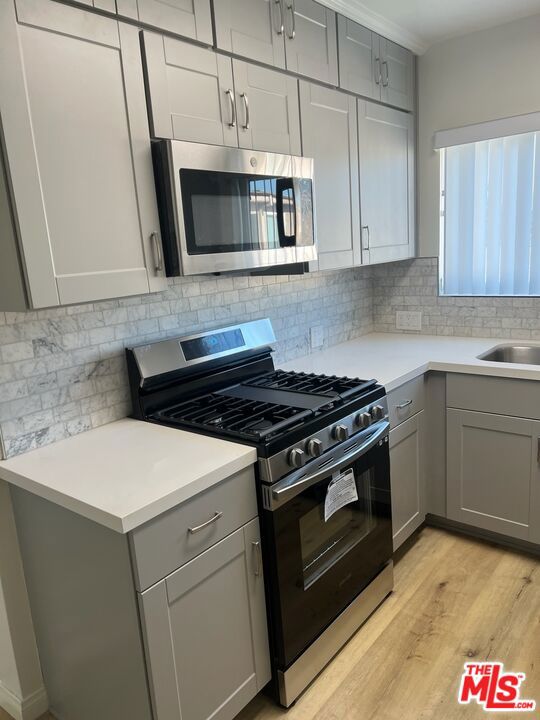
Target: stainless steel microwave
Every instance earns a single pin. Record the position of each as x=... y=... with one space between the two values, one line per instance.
x=225 y=209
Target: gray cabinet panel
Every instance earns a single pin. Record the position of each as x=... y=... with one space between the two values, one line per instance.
x=329 y=135
x=189 y=18
x=397 y=75
x=407 y=472
x=310 y=40
x=493 y=474
x=251 y=28
x=267 y=107
x=406 y=401
x=205 y=621
x=503 y=396
x=386 y=152
x=359 y=61
x=190 y=91
x=58 y=56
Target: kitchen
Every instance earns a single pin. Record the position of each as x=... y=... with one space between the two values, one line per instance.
x=388 y=231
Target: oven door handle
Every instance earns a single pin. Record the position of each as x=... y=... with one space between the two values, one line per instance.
x=289 y=488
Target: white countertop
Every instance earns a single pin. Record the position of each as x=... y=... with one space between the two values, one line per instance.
x=123 y=474
x=394 y=358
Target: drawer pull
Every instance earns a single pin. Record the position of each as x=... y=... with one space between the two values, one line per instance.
x=213 y=519
x=404 y=404
x=258 y=558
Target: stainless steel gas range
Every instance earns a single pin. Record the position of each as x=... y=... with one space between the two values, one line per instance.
x=323 y=479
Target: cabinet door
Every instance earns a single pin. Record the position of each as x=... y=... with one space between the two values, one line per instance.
x=191 y=92
x=493 y=479
x=205 y=632
x=386 y=153
x=267 y=108
x=310 y=40
x=359 y=60
x=78 y=152
x=407 y=463
x=252 y=29
x=189 y=18
x=329 y=135
x=397 y=75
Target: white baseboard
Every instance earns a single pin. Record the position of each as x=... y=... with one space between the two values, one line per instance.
x=28 y=708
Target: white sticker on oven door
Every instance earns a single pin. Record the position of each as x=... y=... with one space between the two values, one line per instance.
x=341 y=491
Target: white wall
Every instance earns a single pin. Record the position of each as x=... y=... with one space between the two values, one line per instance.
x=21 y=685
x=481 y=76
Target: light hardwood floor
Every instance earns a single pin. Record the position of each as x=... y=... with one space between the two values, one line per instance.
x=455 y=599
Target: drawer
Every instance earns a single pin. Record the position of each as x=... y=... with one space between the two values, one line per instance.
x=497 y=395
x=164 y=544
x=405 y=401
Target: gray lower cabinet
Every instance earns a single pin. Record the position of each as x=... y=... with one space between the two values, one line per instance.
x=189 y=18
x=205 y=632
x=386 y=154
x=77 y=154
x=375 y=67
x=407 y=472
x=493 y=473
x=329 y=135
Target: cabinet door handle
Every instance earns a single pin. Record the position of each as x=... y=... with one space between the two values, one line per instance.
x=404 y=404
x=258 y=558
x=281 y=26
x=365 y=246
x=246 y=106
x=538 y=451
x=156 y=250
x=292 y=10
x=378 y=71
x=386 y=75
x=213 y=519
x=230 y=93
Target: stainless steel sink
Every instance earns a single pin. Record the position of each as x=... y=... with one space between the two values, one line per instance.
x=524 y=354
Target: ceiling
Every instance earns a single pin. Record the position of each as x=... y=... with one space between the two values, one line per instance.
x=418 y=24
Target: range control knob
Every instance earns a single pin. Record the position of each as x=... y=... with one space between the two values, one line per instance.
x=340 y=433
x=377 y=412
x=297 y=458
x=315 y=447
x=363 y=420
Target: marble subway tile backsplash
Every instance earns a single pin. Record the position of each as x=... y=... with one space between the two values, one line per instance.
x=62 y=371
x=413 y=285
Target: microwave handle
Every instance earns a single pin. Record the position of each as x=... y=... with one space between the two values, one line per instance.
x=282 y=185
x=287 y=489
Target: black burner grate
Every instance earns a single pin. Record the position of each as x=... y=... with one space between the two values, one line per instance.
x=331 y=386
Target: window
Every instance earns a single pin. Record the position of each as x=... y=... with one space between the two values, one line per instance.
x=490 y=217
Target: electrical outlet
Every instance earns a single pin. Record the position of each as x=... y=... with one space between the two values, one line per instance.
x=408 y=320
x=316 y=335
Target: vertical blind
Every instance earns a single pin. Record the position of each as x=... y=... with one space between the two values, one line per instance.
x=491 y=217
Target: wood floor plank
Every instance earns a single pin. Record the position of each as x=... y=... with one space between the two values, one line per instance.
x=456 y=599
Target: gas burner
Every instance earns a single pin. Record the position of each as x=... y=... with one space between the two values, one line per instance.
x=331 y=386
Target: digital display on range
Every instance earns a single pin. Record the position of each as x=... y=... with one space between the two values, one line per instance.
x=212 y=344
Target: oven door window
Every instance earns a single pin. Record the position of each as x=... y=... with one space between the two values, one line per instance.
x=228 y=212
x=320 y=565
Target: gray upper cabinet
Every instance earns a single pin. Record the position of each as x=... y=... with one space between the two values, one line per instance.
x=329 y=135
x=267 y=109
x=191 y=92
x=205 y=632
x=397 y=75
x=373 y=66
x=251 y=28
x=493 y=479
x=407 y=474
x=386 y=153
x=81 y=180
x=359 y=64
x=311 y=40
x=189 y=18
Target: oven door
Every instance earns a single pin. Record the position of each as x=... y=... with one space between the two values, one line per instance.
x=240 y=209
x=328 y=535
